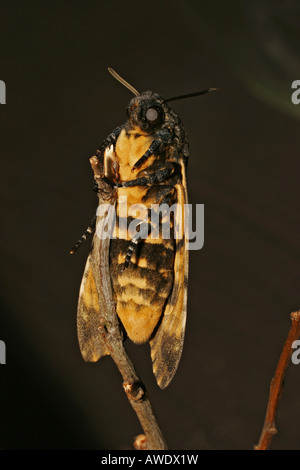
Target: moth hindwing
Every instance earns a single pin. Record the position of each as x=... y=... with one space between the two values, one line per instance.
x=145 y=160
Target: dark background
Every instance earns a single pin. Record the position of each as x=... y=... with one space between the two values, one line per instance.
x=244 y=167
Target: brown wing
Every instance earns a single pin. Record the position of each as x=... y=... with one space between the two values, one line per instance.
x=91 y=343
x=167 y=344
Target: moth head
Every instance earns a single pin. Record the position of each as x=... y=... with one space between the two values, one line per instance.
x=147 y=111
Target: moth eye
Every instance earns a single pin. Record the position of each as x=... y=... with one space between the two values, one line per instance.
x=151 y=115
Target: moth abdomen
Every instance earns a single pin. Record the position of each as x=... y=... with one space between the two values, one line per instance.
x=141 y=290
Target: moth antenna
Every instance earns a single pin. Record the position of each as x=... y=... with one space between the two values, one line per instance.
x=85 y=235
x=190 y=95
x=121 y=80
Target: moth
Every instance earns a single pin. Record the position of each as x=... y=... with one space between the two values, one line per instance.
x=145 y=159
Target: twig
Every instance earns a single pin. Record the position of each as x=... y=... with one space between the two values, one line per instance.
x=276 y=387
x=110 y=329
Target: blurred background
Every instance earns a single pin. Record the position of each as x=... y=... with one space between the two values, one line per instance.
x=244 y=168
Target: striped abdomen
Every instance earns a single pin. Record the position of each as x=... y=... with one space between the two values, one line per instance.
x=141 y=290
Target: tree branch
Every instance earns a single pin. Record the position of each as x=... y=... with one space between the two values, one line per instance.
x=110 y=329
x=276 y=387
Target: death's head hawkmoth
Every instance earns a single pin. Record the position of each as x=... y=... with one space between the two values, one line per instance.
x=145 y=160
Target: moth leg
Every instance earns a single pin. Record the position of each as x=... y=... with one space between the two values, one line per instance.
x=161 y=198
x=163 y=137
x=104 y=184
x=137 y=238
x=106 y=180
x=153 y=175
x=85 y=235
x=160 y=194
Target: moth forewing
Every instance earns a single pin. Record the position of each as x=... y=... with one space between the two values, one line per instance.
x=167 y=343
x=91 y=343
x=95 y=296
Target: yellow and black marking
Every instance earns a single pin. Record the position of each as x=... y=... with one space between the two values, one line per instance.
x=146 y=163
